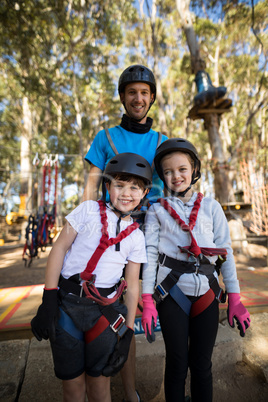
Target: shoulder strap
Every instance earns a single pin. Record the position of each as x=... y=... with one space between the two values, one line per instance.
x=105 y=242
x=159 y=139
x=193 y=248
x=108 y=135
x=157 y=145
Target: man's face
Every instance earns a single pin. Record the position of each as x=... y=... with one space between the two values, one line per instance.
x=137 y=99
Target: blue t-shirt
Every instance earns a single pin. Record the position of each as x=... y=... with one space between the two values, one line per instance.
x=145 y=145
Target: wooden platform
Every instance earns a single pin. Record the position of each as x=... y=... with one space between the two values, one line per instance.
x=218 y=106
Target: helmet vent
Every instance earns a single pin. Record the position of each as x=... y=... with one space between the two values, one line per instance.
x=113 y=162
x=140 y=165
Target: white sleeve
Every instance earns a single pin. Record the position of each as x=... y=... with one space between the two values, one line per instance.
x=138 y=253
x=222 y=239
x=152 y=231
x=81 y=215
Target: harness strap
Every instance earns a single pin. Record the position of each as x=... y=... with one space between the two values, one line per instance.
x=186 y=267
x=108 y=135
x=193 y=248
x=68 y=325
x=109 y=317
x=180 y=298
x=72 y=285
x=157 y=145
x=202 y=304
x=169 y=286
x=105 y=242
x=93 y=293
x=116 y=320
x=111 y=141
x=98 y=328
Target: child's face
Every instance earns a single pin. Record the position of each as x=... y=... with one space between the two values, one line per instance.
x=177 y=171
x=125 y=195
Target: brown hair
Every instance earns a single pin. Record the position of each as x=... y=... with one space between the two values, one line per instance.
x=189 y=157
x=127 y=177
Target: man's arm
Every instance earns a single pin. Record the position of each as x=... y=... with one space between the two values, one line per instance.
x=91 y=190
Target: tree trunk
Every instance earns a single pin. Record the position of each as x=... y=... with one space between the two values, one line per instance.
x=25 y=161
x=222 y=185
x=79 y=128
x=161 y=102
x=222 y=182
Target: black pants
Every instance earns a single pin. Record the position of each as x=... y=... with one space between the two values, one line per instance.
x=189 y=343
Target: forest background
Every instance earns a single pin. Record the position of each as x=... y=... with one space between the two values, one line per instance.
x=60 y=64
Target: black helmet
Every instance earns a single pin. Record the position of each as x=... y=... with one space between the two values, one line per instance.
x=137 y=73
x=173 y=145
x=129 y=163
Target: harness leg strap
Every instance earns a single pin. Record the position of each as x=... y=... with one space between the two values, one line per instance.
x=202 y=304
x=98 y=328
x=180 y=298
x=68 y=325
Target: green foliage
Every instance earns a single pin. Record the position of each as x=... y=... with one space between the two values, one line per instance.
x=65 y=58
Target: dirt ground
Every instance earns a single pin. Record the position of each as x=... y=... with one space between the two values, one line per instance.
x=237 y=384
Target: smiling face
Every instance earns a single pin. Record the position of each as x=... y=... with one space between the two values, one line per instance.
x=137 y=98
x=125 y=195
x=177 y=171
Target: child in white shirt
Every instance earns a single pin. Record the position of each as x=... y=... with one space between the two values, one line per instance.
x=83 y=317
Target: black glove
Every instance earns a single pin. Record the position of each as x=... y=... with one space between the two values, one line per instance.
x=44 y=323
x=119 y=355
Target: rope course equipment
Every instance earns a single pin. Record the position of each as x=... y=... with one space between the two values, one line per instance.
x=41 y=228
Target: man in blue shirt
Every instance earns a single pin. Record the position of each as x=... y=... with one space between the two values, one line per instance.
x=137 y=91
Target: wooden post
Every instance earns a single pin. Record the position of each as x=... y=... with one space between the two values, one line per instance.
x=223 y=189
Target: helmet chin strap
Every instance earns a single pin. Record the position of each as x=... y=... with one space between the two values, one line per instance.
x=179 y=193
x=121 y=215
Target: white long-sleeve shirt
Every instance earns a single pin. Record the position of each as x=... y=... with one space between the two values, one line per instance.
x=163 y=236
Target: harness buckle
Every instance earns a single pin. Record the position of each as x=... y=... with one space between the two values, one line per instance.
x=221 y=298
x=197 y=265
x=91 y=281
x=119 y=326
x=160 y=293
x=81 y=292
x=163 y=262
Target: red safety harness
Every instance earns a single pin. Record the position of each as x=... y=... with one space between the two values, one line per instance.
x=179 y=267
x=40 y=227
x=109 y=314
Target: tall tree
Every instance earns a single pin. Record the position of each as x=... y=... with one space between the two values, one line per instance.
x=223 y=185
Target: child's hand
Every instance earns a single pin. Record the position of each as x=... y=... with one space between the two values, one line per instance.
x=236 y=310
x=149 y=316
x=44 y=323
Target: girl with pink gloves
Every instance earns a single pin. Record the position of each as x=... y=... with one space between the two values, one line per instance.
x=188 y=244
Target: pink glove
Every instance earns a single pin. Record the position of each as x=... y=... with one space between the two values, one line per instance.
x=149 y=316
x=238 y=311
